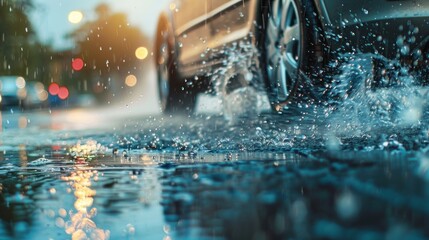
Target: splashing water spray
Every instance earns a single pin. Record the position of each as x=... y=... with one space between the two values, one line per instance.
x=372 y=91
x=238 y=82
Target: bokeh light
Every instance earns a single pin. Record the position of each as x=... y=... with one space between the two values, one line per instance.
x=141 y=53
x=43 y=95
x=75 y=17
x=23 y=122
x=54 y=89
x=131 y=80
x=20 y=82
x=22 y=93
x=63 y=93
x=39 y=86
x=77 y=64
x=172 y=6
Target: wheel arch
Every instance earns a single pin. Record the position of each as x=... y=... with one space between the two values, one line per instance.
x=165 y=26
x=322 y=22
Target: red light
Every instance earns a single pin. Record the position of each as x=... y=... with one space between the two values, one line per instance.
x=54 y=89
x=63 y=93
x=56 y=147
x=77 y=64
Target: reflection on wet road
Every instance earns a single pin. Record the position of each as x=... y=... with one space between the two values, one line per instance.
x=64 y=175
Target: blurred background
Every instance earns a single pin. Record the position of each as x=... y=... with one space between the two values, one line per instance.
x=62 y=54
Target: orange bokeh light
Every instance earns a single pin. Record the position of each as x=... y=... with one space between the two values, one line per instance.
x=141 y=53
x=54 y=89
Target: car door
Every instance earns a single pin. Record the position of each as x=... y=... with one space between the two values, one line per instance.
x=191 y=29
x=229 y=20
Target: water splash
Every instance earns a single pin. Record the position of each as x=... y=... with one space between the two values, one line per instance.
x=40 y=162
x=365 y=96
x=87 y=151
x=238 y=82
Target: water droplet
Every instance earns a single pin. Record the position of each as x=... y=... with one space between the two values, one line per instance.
x=400 y=40
x=405 y=50
x=166 y=229
x=195 y=176
x=347 y=206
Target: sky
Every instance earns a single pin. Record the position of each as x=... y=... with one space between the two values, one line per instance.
x=50 y=17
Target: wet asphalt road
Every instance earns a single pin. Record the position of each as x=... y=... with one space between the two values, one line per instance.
x=94 y=174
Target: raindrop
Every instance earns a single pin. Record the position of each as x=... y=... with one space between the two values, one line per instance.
x=400 y=40
x=347 y=206
x=405 y=50
x=418 y=53
x=130 y=229
x=195 y=176
x=166 y=229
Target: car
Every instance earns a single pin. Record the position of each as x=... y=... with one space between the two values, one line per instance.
x=12 y=91
x=297 y=41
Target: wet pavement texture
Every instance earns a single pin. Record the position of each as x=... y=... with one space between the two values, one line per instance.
x=203 y=177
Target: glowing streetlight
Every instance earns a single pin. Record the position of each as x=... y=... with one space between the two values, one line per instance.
x=141 y=53
x=75 y=17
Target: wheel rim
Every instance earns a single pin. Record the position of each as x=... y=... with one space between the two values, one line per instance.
x=283 y=41
x=163 y=75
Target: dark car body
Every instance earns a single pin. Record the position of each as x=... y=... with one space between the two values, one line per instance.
x=392 y=28
x=10 y=92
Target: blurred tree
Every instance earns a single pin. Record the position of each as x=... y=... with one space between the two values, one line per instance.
x=107 y=45
x=16 y=34
x=20 y=51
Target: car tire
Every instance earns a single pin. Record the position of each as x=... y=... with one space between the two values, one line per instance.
x=292 y=52
x=175 y=95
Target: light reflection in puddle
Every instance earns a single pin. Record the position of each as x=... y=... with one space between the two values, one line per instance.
x=80 y=224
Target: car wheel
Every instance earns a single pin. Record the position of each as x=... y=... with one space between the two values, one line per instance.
x=288 y=49
x=174 y=94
